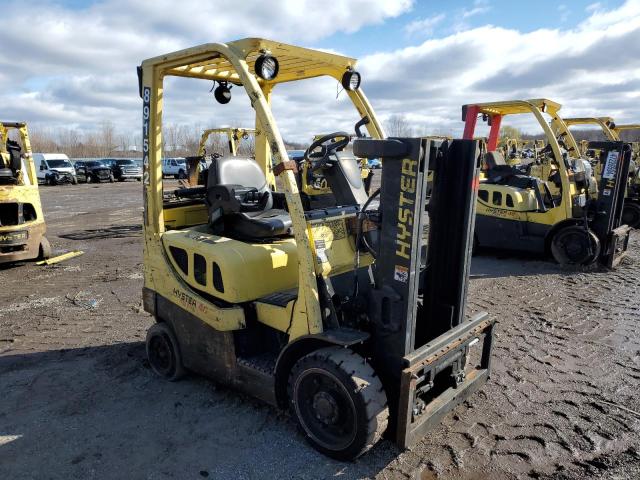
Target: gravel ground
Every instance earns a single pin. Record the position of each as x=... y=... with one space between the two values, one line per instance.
x=80 y=401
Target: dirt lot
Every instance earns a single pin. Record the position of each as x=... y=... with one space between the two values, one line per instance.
x=78 y=399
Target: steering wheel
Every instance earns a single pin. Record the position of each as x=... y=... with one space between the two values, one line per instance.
x=325 y=146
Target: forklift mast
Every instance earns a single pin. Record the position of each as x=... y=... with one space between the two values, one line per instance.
x=615 y=158
x=420 y=337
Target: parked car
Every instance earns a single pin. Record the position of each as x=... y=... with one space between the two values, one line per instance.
x=93 y=171
x=374 y=163
x=54 y=168
x=174 y=167
x=296 y=155
x=124 y=169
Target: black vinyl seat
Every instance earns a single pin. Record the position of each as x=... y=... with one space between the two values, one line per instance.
x=240 y=202
x=498 y=172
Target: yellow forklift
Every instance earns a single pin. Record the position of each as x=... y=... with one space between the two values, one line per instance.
x=612 y=132
x=545 y=206
x=328 y=312
x=197 y=163
x=22 y=225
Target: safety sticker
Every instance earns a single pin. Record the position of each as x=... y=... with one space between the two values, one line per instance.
x=401 y=274
x=320 y=251
x=606 y=192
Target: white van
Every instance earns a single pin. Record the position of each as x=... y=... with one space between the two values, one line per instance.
x=53 y=166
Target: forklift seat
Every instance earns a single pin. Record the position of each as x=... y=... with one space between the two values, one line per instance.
x=240 y=201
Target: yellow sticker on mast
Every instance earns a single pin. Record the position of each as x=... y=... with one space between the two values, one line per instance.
x=405 y=207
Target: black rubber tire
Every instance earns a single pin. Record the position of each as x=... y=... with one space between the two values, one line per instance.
x=74 y=180
x=89 y=179
x=358 y=398
x=569 y=246
x=163 y=352
x=111 y=179
x=44 y=250
x=181 y=175
x=631 y=214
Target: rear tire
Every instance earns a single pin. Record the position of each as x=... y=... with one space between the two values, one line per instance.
x=339 y=402
x=44 y=251
x=163 y=352
x=631 y=214
x=573 y=245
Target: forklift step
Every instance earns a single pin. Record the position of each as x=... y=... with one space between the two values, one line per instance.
x=264 y=362
x=280 y=299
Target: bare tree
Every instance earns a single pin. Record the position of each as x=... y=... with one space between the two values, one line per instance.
x=398 y=126
x=106 y=139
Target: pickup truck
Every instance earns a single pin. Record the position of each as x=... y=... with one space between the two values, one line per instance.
x=124 y=169
x=174 y=167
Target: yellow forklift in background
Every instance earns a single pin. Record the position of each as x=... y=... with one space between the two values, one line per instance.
x=330 y=312
x=234 y=137
x=196 y=164
x=22 y=226
x=545 y=206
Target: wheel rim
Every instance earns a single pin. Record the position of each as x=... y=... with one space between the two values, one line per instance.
x=576 y=247
x=325 y=409
x=161 y=354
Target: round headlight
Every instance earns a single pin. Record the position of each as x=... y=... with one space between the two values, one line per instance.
x=351 y=80
x=267 y=67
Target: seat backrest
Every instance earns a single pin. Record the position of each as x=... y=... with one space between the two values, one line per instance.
x=494 y=159
x=242 y=171
x=237 y=171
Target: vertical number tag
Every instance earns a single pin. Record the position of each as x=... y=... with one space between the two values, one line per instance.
x=146 y=114
x=611 y=165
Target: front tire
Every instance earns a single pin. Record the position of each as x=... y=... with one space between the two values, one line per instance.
x=182 y=175
x=339 y=402
x=631 y=214
x=111 y=179
x=74 y=180
x=573 y=245
x=163 y=352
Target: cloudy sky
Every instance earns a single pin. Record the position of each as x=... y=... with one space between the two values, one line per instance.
x=71 y=63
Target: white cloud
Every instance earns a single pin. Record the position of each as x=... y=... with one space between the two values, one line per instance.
x=593 y=69
x=564 y=12
x=61 y=67
x=479 y=7
x=424 y=26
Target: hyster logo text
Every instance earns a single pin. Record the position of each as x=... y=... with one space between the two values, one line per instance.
x=405 y=208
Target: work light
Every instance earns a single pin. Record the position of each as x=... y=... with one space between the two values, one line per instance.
x=267 y=66
x=222 y=93
x=351 y=80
